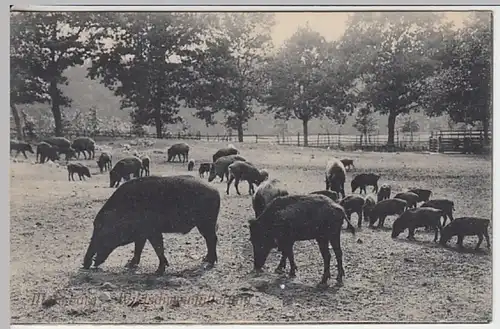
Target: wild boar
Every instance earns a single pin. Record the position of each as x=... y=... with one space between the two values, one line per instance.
x=386 y=208
x=224 y=152
x=241 y=170
x=123 y=169
x=335 y=176
x=410 y=198
x=331 y=194
x=447 y=206
x=84 y=144
x=466 y=226
x=265 y=193
x=384 y=192
x=179 y=149
x=78 y=168
x=220 y=167
x=417 y=217
x=353 y=204
x=21 y=147
x=361 y=181
x=105 y=161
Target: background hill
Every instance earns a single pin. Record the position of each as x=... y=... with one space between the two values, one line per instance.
x=86 y=93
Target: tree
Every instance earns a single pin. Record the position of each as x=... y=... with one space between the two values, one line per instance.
x=148 y=61
x=230 y=72
x=44 y=45
x=410 y=125
x=462 y=87
x=365 y=122
x=303 y=81
x=390 y=54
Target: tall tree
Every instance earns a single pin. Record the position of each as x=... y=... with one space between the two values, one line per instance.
x=304 y=81
x=45 y=44
x=148 y=60
x=231 y=76
x=462 y=88
x=365 y=122
x=410 y=125
x=391 y=56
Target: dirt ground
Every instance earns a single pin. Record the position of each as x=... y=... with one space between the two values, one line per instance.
x=386 y=280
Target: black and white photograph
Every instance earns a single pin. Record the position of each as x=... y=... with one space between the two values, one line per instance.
x=250 y=166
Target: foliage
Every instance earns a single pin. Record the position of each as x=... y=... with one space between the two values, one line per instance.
x=148 y=60
x=410 y=125
x=365 y=121
x=391 y=55
x=462 y=87
x=43 y=46
x=230 y=73
x=304 y=81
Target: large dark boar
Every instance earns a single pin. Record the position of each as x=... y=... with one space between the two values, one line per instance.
x=335 y=176
x=105 y=161
x=220 y=167
x=265 y=193
x=297 y=218
x=410 y=198
x=361 y=181
x=466 y=226
x=21 y=147
x=385 y=208
x=224 y=152
x=348 y=163
x=353 y=204
x=179 y=149
x=79 y=169
x=331 y=194
x=384 y=192
x=241 y=170
x=204 y=167
x=144 y=208
x=423 y=195
x=47 y=151
x=60 y=142
x=447 y=206
x=84 y=144
x=417 y=217
x=123 y=169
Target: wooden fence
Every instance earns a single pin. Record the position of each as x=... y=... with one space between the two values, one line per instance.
x=462 y=141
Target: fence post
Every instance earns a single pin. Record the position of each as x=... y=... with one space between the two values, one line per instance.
x=298 y=139
x=256 y=138
x=328 y=139
x=338 y=140
x=278 y=139
x=317 y=141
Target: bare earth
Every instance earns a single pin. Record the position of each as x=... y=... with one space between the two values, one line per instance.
x=386 y=280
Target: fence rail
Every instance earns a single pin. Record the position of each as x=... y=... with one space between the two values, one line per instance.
x=435 y=141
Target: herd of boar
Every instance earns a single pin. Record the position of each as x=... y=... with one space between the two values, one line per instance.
x=146 y=207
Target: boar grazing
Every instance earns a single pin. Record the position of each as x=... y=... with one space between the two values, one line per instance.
x=146 y=161
x=179 y=149
x=144 y=208
x=417 y=217
x=384 y=193
x=331 y=194
x=385 y=208
x=447 y=206
x=241 y=170
x=105 y=161
x=191 y=165
x=335 y=176
x=410 y=198
x=353 y=204
x=123 y=169
x=220 y=167
x=361 y=181
x=204 y=167
x=21 y=147
x=297 y=218
x=47 y=151
x=423 y=195
x=84 y=144
x=466 y=226
x=368 y=206
x=348 y=163
x=224 y=152
x=78 y=168
x=265 y=193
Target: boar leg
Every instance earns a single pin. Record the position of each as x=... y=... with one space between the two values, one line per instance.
x=139 y=246
x=207 y=230
x=236 y=182
x=381 y=221
x=480 y=237
x=460 y=241
x=325 y=253
x=156 y=240
x=436 y=229
x=281 y=266
x=288 y=252
x=230 y=180
x=486 y=235
x=360 y=218
x=335 y=243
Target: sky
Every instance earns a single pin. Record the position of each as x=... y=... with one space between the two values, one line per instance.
x=330 y=25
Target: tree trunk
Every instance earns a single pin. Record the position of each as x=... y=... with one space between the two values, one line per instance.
x=304 y=128
x=17 y=120
x=56 y=110
x=391 y=125
x=240 y=132
x=158 y=125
